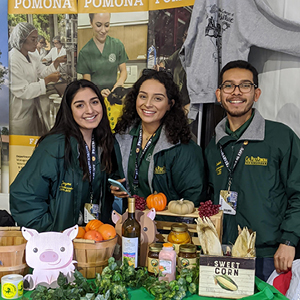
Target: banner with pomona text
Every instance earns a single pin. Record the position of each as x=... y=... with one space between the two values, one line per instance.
x=108 y=42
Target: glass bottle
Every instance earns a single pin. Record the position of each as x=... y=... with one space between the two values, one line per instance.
x=167 y=262
x=131 y=235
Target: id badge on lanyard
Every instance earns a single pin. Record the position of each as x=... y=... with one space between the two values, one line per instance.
x=228 y=199
x=91 y=210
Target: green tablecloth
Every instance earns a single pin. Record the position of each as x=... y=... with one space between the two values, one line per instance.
x=263 y=291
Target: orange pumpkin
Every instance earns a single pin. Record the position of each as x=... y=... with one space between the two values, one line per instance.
x=157 y=201
x=81 y=233
x=93 y=235
x=93 y=225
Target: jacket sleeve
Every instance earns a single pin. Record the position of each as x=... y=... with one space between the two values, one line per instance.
x=290 y=174
x=30 y=193
x=188 y=173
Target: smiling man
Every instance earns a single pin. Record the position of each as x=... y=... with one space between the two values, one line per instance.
x=254 y=172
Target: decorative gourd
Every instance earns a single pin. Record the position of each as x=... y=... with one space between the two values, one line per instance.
x=157 y=201
x=181 y=207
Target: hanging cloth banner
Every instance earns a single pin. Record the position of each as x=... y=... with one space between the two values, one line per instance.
x=166 y=4
x=42 y=6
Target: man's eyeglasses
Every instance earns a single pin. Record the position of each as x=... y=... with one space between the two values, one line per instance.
x=150 y=72
x=244 y=87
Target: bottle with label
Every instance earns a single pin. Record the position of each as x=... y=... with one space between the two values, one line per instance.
x=187 y=256
x=131 y=234
x=153 y=258
x=167 y=262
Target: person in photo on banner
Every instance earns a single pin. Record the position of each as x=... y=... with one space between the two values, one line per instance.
x=40 y=47
x=153 y=142
x=57 y=51
x=254 y=172
x=28 y=80
x=103 y=56
x=68 y=170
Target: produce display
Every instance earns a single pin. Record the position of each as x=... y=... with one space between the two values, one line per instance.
x=97 y=231
x=181 y=207
x=244 y=245
x=207 y=209
x=140 y=202
x=157 y=201
x=112 y=284
x=208 y=237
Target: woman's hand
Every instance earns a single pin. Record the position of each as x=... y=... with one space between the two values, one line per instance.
x=54 y=77
x=116 y=191
x=59 y=60
x=105 y=93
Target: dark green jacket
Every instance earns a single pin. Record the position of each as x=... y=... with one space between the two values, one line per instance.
x=267 y=180
x=46 y=196
x=175 y=170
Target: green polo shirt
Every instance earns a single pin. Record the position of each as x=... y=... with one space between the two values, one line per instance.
x=238 y=133
x=143 y=189
x=103 y=67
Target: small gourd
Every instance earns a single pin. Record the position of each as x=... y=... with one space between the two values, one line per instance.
x=157 y=201
x=181 y=207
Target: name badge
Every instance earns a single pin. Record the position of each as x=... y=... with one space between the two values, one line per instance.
x=91 y=212
x=228 y=201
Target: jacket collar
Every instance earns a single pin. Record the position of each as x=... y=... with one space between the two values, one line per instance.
x=254 y=132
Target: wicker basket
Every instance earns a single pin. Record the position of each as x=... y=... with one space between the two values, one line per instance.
x=92 y=257
x=12 y=252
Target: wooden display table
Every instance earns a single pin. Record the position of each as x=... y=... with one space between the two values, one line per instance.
x=166 y=225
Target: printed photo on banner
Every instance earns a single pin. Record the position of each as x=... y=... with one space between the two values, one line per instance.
x=4 y=100
x=167 y=31
x=42 y=61
x=112 y=53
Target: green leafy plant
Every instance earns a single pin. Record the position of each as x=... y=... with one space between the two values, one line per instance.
x=112 y=284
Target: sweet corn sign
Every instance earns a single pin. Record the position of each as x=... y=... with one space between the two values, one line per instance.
x=226 y=277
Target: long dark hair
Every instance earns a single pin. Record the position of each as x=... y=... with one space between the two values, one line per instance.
x=175 y=120
x=65 y=124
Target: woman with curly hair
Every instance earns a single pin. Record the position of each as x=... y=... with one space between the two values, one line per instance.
x=154 y=147
x=66 y=176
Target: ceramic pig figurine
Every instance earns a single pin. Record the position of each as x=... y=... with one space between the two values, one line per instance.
x=49 y=253
x=148 y=229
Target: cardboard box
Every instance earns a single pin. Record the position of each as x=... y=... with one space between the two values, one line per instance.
x=226 y=276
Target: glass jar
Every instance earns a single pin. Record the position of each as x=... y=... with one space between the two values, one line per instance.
x=179 y=235
x=153 y=258
x=187 y=256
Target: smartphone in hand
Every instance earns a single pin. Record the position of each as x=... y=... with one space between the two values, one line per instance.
x=119 y=185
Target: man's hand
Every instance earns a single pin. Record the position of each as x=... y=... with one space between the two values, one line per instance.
x=283 y=258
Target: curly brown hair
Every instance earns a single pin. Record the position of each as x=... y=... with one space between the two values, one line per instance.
x=175 y=120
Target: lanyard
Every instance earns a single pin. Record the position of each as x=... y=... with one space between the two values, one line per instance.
x=227 y=164
x=138 y=158
x=91 y=160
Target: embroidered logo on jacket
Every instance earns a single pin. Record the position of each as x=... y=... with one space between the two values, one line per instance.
x=65 y=187
x=219 y=168
x=160 y=170
x=256 y=161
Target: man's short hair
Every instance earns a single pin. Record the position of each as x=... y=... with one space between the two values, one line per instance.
x=241 y=64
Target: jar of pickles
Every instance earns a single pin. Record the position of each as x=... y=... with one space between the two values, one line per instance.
x=153 y=258
x=187 y=256
x=178 y=235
